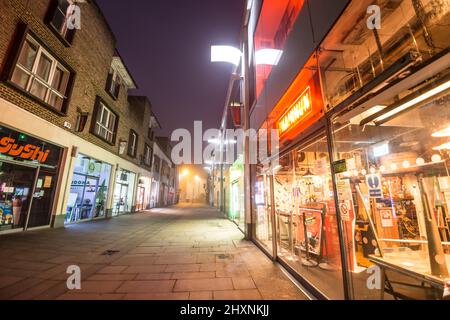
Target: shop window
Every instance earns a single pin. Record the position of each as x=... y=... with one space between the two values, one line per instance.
x=89 y=189
x=307 y=226
x=394 y=191
x=123 y=192
x=275 y=23
x=352 y=55
x=42 y=75
x=106 y=122
x=148 y=155
x=132 y=143
x=113 y=83
x=59 y=13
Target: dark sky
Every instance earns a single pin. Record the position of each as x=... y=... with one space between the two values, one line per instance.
x=166 y=47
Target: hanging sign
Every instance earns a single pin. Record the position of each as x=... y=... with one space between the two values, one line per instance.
x=374 y=183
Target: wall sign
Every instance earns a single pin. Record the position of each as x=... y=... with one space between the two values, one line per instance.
x=298 y=111
x=374 y=183
x=11 y=147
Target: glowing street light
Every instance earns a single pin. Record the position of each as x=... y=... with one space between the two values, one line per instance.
x=226 y=54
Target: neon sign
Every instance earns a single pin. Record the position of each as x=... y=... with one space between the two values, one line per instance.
x=298 y=111
x=25 y=152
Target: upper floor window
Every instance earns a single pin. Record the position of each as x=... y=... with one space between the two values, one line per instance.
x=58 y=17
x=132 y=143
x=113 y=84
x=41 y=74
x=105 y=126
x=148 y=155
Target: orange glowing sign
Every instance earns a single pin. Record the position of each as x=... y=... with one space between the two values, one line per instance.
x=298 y=111
x=26 y=152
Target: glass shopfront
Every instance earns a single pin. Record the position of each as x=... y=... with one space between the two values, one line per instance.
x=263 y=207
x=236 y=180
x=307 y=230
x=123 y=192
x=29 y=169
x=392 y=168
x=89 y=189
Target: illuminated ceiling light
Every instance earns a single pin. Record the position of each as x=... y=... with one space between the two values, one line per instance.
x=442 y=133
x=420 y=161
x=226 y=54
x=393 y=166
x=268 y=56
x=382 y=169
x=444 y=146
x=363 y=172
x=406 y=164
x=388 y=113
x=436 y=158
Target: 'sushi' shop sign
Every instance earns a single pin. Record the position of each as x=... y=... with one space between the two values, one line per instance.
x=298 y=111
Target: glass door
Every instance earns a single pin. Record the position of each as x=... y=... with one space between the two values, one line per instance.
x=41 y=208
x=16 y=187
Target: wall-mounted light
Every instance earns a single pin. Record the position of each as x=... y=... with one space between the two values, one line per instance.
x=226 y=54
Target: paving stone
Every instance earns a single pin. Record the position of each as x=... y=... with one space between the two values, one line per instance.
x=193 y=275
x=153 y=276
x=147 y=286
x=183 y=268
x=203 y=284
x=112 y=269
x=145 y=269
x=158 y=296
x=243 y=283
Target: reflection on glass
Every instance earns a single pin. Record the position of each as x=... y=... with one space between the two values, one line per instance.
x=395 y=186
x=89 y=190
x=307 y=233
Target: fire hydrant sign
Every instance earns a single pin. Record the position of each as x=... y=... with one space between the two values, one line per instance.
x=374 y=184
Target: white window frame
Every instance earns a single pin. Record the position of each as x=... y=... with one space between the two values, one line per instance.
x=147 y=155
x=33 y=76
x=133 y=146
x=111 y=119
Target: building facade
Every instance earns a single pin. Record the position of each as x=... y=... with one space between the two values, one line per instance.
x=74 y=145
x=354 y=201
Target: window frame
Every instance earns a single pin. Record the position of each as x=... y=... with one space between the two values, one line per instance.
x=66 y=39
x=99 y=108
x=132 y=151
x=24 y=32
x=114 y=83
x=148 y=149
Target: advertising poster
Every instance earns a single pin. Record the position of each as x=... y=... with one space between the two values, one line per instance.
x=386 y=218
x=313 y=222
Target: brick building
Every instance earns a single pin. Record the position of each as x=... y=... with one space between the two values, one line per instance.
x=74 y=145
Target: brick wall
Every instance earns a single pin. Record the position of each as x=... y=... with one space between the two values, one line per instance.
x=89 y=55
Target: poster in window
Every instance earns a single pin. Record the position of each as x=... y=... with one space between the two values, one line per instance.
x=386 y=218
x=312 y=220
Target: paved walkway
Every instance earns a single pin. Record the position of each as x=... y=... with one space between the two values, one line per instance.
x=184 y=252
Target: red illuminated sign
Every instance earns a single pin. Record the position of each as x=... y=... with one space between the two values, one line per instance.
x=298 y=111
x=26 y=152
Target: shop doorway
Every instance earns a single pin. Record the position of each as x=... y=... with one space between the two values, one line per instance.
x=121 y=198
x=82 y=198
x=140 y=200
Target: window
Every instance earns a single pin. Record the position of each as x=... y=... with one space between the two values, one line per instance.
x=148 y=155
x=132 y=143
x=113 y=84
x=57 y=19
x=150 y=133
x=42 y=75
x=105 y=125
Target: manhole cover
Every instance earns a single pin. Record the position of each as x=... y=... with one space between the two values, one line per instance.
x=109 y=252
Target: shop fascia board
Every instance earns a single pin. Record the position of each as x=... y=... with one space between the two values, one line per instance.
x=15 y=117
x=415 y=78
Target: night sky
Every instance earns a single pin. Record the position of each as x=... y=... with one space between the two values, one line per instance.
x=166 y=47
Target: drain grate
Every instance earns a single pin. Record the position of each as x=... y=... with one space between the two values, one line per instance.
x=109 y=252
x=224 y=256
